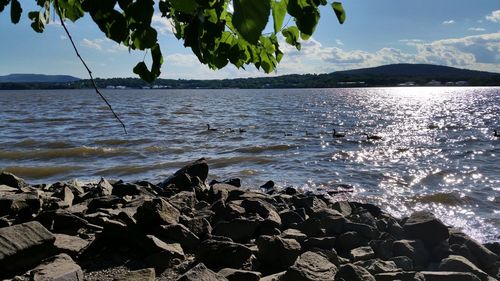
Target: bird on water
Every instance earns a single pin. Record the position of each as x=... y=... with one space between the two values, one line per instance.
x=372 y=137
x=210 y=129
x=335 y=134
x=496 y=134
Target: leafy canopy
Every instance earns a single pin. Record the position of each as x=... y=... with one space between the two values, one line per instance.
x=217 y=31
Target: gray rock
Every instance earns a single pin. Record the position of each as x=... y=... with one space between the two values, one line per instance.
x=104 y=188
x=11 y=180
x=23 y=204
x=274 y=277
x=426 y=227
x=277 y=253
x=414 y=249
x=198 y=168
x=403 y=262
x=400 y=276
x=353 y=273
x=232 y=274
x=311 y=266
x=201 y=273
x=146 y=274
x=365 y=230
x=382 y=248
x=448 y=276
x=263 y=209
x=310 y=203
x=461 y=264
x=361 y=253
x=58 y=268
x=220 y=254
x=326 y=243
x=342 y=207
x=375 y=266
x=311 y=227
x=289 y=218
x=24 y=245
x=161 y=254
x=332 y=221
x=156 y=212
x=179 y=233
x=295 y=234
x=239 y=230
x=350 y=240
x=71 y=245
x=485 y=258
x=199 y=226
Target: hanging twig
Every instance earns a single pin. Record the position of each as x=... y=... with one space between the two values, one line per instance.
x=59 y=13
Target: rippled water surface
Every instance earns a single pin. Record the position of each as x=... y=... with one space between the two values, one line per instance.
x=438 y=151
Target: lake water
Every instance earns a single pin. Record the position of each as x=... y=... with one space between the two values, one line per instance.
x=438 y=151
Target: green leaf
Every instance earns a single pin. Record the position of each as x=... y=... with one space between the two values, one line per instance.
x=37 y=24
x=142 y=70
x=279 y=12
x=3 y=4
x=144 y=38
x=185 y=6
x=339 y=11
x=250 y=18
x=71 y=9
x=292 y=36
x=15 y=11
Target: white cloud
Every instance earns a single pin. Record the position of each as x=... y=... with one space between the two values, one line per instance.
x=339 y=42
x=95 y=44
x=62 y=37
x=161 y=24
x=478 y=29
x=448 y=22
x=103 y=44
x=494 y=16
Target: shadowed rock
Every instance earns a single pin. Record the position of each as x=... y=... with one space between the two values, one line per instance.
x=57 y=268
x=426 y=227
x=311 y=266
x=201 y=273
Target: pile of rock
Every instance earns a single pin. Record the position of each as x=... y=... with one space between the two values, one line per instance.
x=183 y=229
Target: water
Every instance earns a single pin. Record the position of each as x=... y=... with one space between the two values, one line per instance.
x=438 y=151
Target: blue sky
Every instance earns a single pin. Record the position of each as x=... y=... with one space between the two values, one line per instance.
x=459 y=33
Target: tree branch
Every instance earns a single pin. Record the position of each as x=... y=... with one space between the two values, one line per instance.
x=59 y=13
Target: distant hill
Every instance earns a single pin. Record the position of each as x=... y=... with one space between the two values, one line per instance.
x=406 y=69
x=37 y=78
x=381 y=76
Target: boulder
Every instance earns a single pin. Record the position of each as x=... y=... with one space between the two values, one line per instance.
x=326 y=243
x=400 y=276
x=361 y=253
x=289 y=218
x=448 y=276
x=161 y=254
x=201 y=273
x=104 y=188
x=263 y=209
x=382 y=248
x=375 y=266
x=311 y=266
x=276 y=253
x=352 y=272
x=426 y=227
x=11 y=180
x=220 y=254
x=199 y=226
x=403 y=262
x=146 y=274
x=461 y=264
x=198 y=168
x=57 y=268
x=71 y=245
x=350 y=240
x=23 y=204
x=179 y=233
x=365 y=230
x=332 y=221
x=273 y=277
x=311 y=204
x=232 y=274
x=156 y=212
x=239 y=230
x=23 y=246
x=295 y=234
x=413 y=249
x=342 y=207
x=485 y=258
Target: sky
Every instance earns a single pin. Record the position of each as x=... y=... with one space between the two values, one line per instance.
x=458 y=33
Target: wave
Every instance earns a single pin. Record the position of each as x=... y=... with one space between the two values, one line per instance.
x=447 y=198
x=122 y=141
x=35 y=172
x=262 y=148
x=75 y=152
x=224 y=162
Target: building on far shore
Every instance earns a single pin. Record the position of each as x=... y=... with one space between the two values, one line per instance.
x=433 y=83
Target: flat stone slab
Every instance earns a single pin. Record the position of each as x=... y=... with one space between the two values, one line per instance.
x=68 y=244
x=58 y=268
x=24 y=245
x=146 y=274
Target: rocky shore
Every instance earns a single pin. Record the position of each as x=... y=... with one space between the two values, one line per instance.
x=187 y=230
